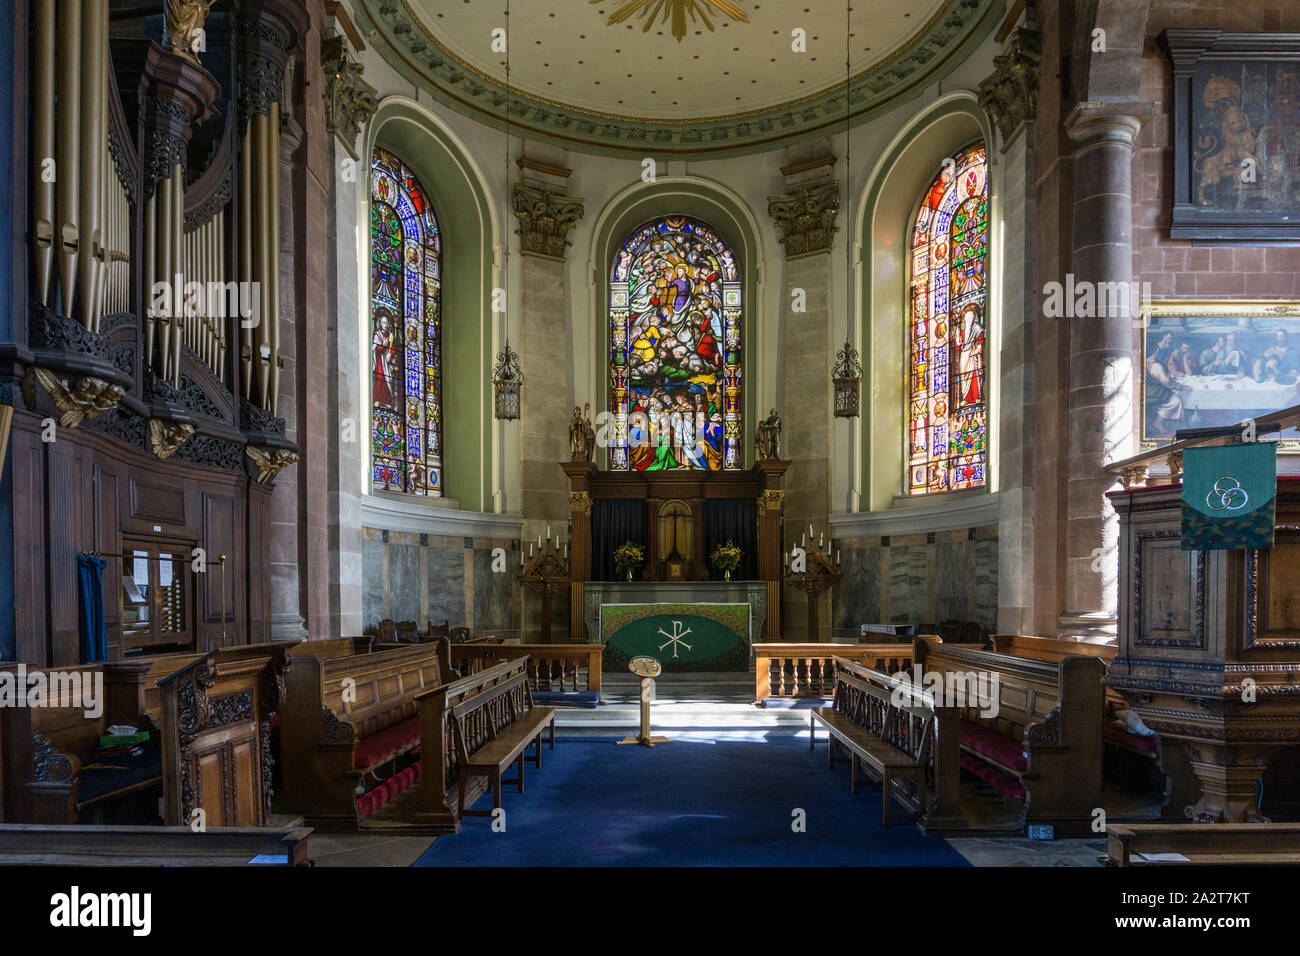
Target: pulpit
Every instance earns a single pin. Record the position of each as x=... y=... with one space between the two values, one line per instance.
x=676 y=515
x=1209 y=641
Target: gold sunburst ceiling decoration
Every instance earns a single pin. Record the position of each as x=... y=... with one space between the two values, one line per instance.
x=677 y=9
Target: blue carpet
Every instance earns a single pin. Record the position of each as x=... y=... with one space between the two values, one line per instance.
x=688 y=803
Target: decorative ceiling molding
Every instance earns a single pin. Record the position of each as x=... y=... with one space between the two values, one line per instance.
x=928 y=56
x=676 y=10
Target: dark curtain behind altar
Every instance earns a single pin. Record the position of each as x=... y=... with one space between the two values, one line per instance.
x=613 y=522
x=734 y=520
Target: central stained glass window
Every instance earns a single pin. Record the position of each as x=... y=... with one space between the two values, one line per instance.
x=675 y=349
x=406 y=332
x=948 y=413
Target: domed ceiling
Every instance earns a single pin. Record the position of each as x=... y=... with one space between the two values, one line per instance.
x=674 y=76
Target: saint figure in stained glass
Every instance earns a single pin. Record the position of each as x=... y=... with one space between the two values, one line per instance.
x=947 y=409
x=406 y=337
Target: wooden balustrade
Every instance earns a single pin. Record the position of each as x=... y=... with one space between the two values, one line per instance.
x=561 y=668
x=808 y=670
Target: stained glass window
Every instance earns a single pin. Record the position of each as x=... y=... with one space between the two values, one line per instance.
x=948 y=413
x=406 y=332
x=675 y=349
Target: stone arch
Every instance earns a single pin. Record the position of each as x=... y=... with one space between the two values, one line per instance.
x=460 y=196
x=883 y=220
x=719 y=207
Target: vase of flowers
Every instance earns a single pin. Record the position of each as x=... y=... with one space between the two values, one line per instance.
x=726 y=558
x=628 y=556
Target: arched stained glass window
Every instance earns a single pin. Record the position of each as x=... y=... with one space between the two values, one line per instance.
x=406 y=332
x=948 y=411
x=675 y=349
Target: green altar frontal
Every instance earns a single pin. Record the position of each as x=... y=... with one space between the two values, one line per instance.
x=682 y=637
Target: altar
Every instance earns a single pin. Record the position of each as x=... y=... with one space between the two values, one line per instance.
x=678 y=518
x=685 y=625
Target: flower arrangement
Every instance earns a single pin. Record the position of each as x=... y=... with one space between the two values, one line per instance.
x=726 y=558
x=628 y=556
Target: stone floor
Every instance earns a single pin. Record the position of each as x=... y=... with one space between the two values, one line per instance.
x=721 y=705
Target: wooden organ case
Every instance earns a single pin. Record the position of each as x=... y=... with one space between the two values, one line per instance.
x=152 y=345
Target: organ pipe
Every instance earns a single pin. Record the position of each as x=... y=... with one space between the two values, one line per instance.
x=89 y=195
x=67 y=146
x=43 y=149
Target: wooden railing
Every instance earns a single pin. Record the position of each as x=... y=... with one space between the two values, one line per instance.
x=565 y=668
x=807 y=670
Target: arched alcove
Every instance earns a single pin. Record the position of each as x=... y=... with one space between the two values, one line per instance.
x=459 y=194
x=884 y=224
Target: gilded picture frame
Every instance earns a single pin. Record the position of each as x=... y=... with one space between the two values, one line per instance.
x=1206 y=363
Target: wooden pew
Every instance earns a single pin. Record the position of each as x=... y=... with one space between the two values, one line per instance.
x=459 y=721
x=1205 y=844
x=1181 y=788
x=902 y=737
x=562 y=675
x=208 y=716
x=795 y=671
x=46 y=747
x=27 y=844
x=350 y=724
x=1042 y=747
x=330 y=647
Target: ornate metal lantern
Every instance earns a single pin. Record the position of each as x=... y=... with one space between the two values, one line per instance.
x=507 y=383
x=848 y=382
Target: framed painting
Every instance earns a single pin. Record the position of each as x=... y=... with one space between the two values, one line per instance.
x=1236 y=135
x=1207 y=364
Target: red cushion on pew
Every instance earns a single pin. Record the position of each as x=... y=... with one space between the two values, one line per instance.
x=1136 y=741
x=991 y=775
x=1008 y=752
x=379 y=747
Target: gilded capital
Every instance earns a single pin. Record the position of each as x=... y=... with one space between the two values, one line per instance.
x=580 y=501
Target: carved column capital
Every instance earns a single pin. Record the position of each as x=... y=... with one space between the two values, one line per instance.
x=1010 y=93
x=349 y=100
x=806 y=218
x=545 y=219
x=580 y=501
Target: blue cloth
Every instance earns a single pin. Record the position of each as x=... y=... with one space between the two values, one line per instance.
x=94 y=634
x=688 y=803
x=554 y=698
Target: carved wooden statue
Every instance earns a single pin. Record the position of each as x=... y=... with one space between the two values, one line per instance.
x=767 y=437
x=582 y=437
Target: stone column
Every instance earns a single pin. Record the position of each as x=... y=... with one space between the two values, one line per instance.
x=545 y=214
x=349 y=103
x=1101 y=364
x=806 y=215
x=1010 y=96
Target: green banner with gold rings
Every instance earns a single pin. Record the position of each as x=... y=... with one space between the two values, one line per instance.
x=1229 y=496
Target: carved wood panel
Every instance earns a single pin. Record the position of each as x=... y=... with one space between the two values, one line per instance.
x=1168 y=592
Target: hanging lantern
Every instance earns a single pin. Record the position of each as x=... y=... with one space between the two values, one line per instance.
x=848 y=382
x=507 y=382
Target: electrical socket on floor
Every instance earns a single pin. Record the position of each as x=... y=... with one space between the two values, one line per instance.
x=1042 y=831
